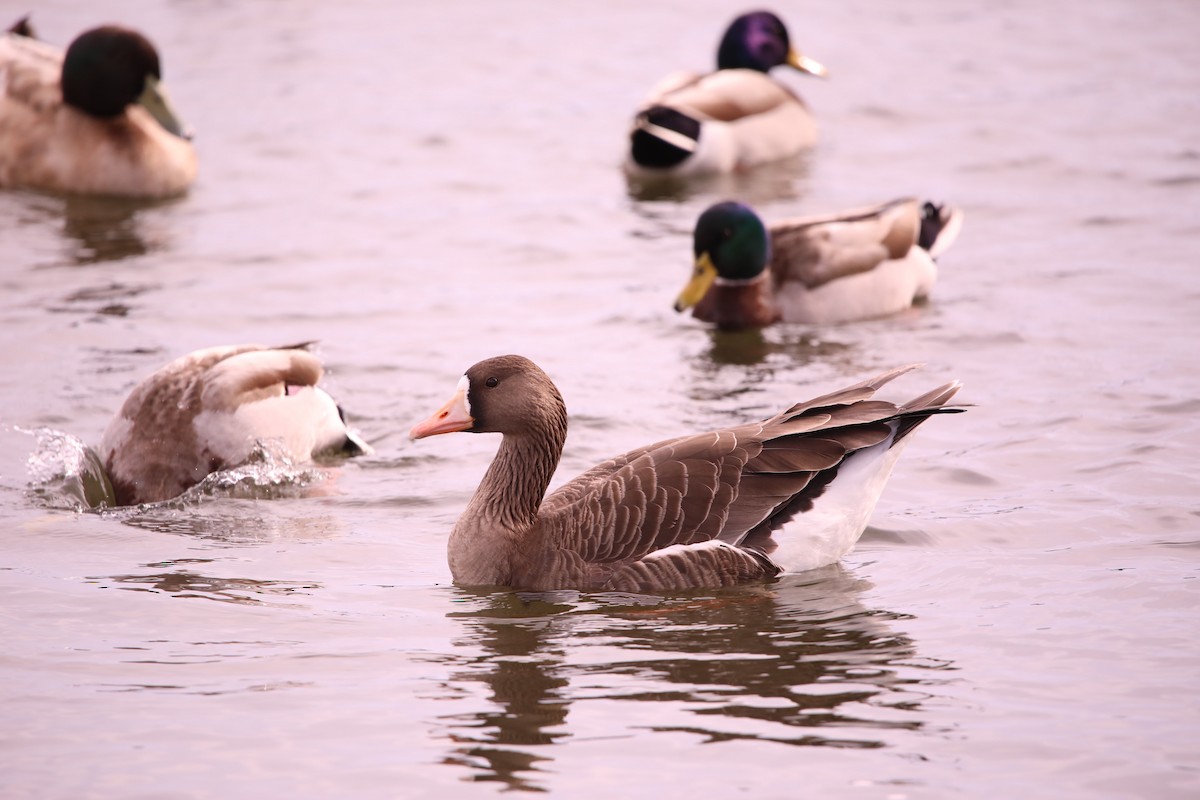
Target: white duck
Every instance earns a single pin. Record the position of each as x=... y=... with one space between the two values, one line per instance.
x=206 y=411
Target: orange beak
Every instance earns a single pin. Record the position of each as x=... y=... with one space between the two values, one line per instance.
x=455 y=415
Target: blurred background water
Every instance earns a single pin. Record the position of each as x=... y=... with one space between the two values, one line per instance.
x=421 y=186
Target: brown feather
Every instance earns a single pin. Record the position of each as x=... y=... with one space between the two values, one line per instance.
x=816 y=250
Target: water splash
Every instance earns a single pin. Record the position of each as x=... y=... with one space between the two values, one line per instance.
x=268 y=473
x=66 y=473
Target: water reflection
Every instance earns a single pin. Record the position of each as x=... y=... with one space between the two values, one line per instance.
x=735 y=374
x=800 y=662
x=110 y=298
x=230 y=522
x=191 y=584
x=526 y=687
x=796 y=346
x=780 y=180
x=102 y=229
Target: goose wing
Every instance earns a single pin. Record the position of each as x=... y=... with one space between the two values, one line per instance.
x=720 y=489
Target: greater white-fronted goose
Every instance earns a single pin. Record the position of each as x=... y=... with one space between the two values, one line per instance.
x=746 y=503
x=819 y=270
x=731 y=119
x=207 y=410
x=95 y=120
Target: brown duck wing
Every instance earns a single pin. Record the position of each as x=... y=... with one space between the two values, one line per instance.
x=251 y=374
x=29 y=72
x=817 y=250
x=729 y=95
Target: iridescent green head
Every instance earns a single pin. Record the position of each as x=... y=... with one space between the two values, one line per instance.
x=730 y=242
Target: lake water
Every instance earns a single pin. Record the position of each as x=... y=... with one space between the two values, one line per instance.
x=421 y=186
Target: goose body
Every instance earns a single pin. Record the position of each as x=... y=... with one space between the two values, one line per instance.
x=734 y=118
x=207 y=410
x=95 y=120
x=820 y=270
x=790 y=493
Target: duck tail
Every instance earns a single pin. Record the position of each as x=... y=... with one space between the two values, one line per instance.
x=940 y=225
x=663 y=137
x=22 y=27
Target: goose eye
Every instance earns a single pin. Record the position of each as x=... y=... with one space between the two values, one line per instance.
x=491 y=382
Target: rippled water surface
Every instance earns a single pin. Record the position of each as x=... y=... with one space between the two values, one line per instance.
x=421 y=186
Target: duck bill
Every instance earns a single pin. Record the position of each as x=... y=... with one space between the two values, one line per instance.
x=154 y=99
x=452 y=417
x=806 y=64
x=702 y=279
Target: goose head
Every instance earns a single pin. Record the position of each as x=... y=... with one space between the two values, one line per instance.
x=506 y=394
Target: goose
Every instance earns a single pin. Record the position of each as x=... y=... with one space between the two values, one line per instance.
x=728 y=120
x=741 y=504
x=95 y=120
x=823 y=270
x=206 y=411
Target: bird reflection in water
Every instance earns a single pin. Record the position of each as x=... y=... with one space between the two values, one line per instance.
x=188 y=583
x=100 y=229
x=799 y=662
x=526 y=682
x=779 y=180
x=796 y=347
x=738 y=374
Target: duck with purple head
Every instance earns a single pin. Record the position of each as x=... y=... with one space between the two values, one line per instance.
x=731 y=119
x=207 y=411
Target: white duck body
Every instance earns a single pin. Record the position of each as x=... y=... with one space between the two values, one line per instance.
x=746 y=119
x=208 y=410
x=889 y=288
x=856 y=265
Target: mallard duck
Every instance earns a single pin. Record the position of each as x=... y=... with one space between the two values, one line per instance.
x=823 y=270
x=790 y=493
x=731 y=119
x=93 y=121
x=205 y=412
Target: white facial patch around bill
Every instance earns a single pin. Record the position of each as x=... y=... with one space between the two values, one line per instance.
x=464 y=389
